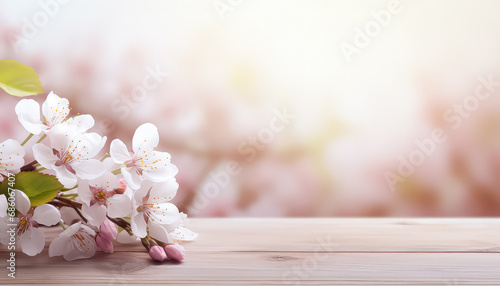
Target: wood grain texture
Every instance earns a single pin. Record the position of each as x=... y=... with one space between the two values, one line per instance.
x=293 y=252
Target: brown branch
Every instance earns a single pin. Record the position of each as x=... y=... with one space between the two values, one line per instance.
x=122 y=223
x=29 y=167
x=69 y=203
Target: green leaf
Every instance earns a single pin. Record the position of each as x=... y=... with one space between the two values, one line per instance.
x=19 y=79
x=40 y=188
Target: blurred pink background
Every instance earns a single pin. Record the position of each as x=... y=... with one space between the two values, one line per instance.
x=213 y=75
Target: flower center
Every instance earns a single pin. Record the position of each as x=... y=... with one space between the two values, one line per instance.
x=23 y=225
x=100 y=195
x=64 y=160
x=81 y=241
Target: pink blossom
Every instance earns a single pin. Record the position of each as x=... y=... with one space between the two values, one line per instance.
x=175 y=251
x=107 y=233
x=157 y=253
x=104 y=243
x=109 y=230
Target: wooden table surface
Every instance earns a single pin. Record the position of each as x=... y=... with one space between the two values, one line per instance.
x=318 y=251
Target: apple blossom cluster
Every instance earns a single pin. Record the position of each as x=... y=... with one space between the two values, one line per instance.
x=124 y=196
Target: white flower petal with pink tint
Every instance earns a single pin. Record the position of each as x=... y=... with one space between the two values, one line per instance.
x=59 y=245
x=125 y=238
x=70 y=155
x=65 y=176
x=28 y=114
x=3 y=206
x=159 y=174
x=183 y=234
x=132 y=178
x=84 y=193
x=178 y=231
x=23 y=203
x=4 y=236
x=109 y=165
x=159 y=232
x=146 y=138
x=118 y=151
x=45 y=155
x=46 y=214
x=86 y=169
x=76 y=242
x=11 y=157
x=55 y=109
x=95 y=214
x=69 y=215
x=139 y=224
x=119 y=205
x=81 y=123
x=143 y=163
x=32 y=241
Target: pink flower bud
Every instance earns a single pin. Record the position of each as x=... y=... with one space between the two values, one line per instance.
x=122 y=187
x=157 y=253
x=122 y=182
x=175 y=251
x=104 y=243
x=108 y=230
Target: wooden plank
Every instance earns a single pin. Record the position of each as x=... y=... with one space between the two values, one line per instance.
x=272 y=268
x=355 y=251
x=348 y=234
x=340 y=235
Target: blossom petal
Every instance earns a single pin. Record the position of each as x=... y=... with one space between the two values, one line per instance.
x=28 y=113
x=46 y=214
x=32 y=241
x=140 y=193
x=69 y=215
x=184 y=234
x=11 y=155
x=89 y=169
x=84 y=192
x=158 y=232
x=139 y=226
x=131 y=177
x=93 y=143
x=23 y=203
x=66 y=178
x=110 y=165
x=58 y=245
x=4 y=235
x=162 y=173
x=88 y=230
x=119 y=206
x=107 y=181
x=125 y=238
x=83 y=247
x=74 y=253
x=81 y=123
x=145 y=139
x=164 y=213
x=9 y=147
x=60 y=137
x=95 y=214
x=55 y=109
x=44 y=155
x=119 y=152
x=3 y=206
x=164 y=192
x=72 y=229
